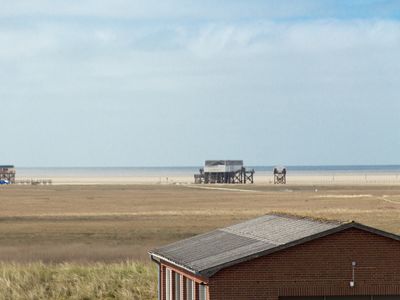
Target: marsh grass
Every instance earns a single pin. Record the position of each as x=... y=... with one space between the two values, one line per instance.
x=106 y=223
x=127 y=280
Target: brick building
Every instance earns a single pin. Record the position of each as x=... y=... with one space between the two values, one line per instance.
x=280 y=257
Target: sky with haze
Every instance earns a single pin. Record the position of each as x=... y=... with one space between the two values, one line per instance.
x=172 y=83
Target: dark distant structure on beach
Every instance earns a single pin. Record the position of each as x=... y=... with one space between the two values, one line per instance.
x=279 y=175
x=7 y=172
x=224 y=171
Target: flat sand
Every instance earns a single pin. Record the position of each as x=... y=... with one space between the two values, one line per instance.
x=324 y=178
x=82 y=223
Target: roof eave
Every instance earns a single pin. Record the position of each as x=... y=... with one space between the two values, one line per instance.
x=159 y=258
x=375 y=231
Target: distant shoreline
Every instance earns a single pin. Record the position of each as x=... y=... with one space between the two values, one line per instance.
x=184 y=175
x=191 y=169
x=260 y=179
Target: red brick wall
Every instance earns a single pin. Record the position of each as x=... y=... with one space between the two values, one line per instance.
x=321 y=267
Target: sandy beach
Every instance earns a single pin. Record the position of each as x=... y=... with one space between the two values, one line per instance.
x=259 y=179
x=300 y=175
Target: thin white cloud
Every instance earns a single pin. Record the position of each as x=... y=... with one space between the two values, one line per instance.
x=164 y=76
x=270 y=49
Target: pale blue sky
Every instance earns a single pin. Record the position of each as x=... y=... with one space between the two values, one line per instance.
x=164 y=83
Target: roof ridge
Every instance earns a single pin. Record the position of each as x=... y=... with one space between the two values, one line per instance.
x=291 y=215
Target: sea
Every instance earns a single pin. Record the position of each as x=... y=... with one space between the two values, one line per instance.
x=51 y=172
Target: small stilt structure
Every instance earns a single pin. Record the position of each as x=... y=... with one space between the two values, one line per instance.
x=279 y=175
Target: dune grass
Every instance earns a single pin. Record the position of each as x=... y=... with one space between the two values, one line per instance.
x=127 y=280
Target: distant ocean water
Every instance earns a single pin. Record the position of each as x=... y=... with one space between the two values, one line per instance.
x=45 y=172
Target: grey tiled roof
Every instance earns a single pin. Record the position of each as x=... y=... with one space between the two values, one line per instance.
x=207 y=253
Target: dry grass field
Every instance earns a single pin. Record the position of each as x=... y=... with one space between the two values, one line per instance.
x=128 y=280
x=113 y=223
x=86 y=242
